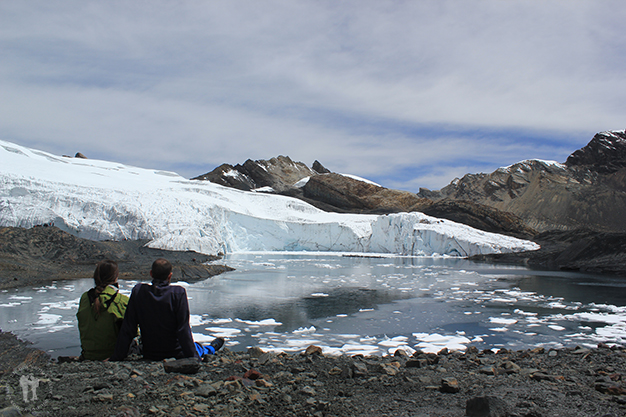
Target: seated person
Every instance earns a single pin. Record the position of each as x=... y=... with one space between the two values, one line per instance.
x=100 y=313
x=162 y=312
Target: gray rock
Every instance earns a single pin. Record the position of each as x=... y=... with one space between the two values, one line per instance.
x=206 y=390
x=486 y=407
x=359 y=369
x=449 y=385
x=182 y=366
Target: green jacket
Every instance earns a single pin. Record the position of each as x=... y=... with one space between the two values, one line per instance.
x=99 y=334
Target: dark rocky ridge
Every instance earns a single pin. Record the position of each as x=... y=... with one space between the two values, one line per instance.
x=532 y=383
x=279 y=173
x=579 y=250
x=43 y=254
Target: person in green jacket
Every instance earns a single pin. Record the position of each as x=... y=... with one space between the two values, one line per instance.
x=100 y=313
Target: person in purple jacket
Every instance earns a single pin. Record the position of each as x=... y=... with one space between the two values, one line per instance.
x=161 y=311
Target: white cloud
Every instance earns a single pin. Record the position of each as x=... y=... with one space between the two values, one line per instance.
x=366 y=87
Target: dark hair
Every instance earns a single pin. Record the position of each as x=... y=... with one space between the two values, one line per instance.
x=161 y=269
x=106 y=273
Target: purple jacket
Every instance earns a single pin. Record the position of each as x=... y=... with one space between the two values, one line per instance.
x=162 y=313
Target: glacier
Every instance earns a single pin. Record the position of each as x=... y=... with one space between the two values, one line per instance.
x=102 y=200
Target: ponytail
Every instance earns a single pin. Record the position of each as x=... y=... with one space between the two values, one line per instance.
x=105 y=274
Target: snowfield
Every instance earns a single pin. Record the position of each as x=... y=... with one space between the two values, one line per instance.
x=101 y=200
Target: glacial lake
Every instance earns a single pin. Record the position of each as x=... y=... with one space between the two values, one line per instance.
x=350 y=304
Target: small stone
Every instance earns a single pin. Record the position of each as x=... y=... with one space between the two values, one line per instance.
x=487 y=370
x=313 y=350
x=233 y=386
x=540 y=376
x=400 y=353
x=306 y=390
x=127 y=412
x=416 y=363
x=201 y=408
x=552 y=353
x=510 y=367
x=252 y=374
x=267 y=357
x=105 y=397
x=389 y=369
x=335 y=371
x=263 y=383
x=206 y=390
x=255 y=352
x=359 y=369
x=450 y=385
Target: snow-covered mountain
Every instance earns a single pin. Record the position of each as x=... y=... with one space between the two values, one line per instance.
x=106 y=200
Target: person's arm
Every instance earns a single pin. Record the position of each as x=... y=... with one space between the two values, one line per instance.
x=183 y=330
x=128 y=330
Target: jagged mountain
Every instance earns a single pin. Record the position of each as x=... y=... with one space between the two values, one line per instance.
x=276 y=175
x=588 y=190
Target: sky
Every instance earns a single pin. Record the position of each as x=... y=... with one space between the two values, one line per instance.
x=408 y=94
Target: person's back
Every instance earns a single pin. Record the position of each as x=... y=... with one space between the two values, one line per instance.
x=100 y=313
x=162 y=312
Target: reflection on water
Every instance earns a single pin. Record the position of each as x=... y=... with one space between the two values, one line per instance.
x=360 y=305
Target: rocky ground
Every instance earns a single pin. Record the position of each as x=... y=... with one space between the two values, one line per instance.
x=574 y=250
x=39 y=255
x=533 y=383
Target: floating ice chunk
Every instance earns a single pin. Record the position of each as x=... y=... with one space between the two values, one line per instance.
x=196 y=320
x=394 y=341
x=499 y=329
x=265 y=322
x=48 y=318
x=223 y=331
x=433 y=343
x=354 y=349
x=220 y=321
x=556 y=327
x=202 y=338
x=319 y=294
x=303 y=330
x=302 y=342
x=501 y=320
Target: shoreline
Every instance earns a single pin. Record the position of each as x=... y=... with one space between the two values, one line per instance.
x=565 y=382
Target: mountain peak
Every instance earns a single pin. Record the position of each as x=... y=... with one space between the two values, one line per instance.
x=605 y=153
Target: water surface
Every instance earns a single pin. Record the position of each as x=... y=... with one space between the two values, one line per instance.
x=348 y=304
